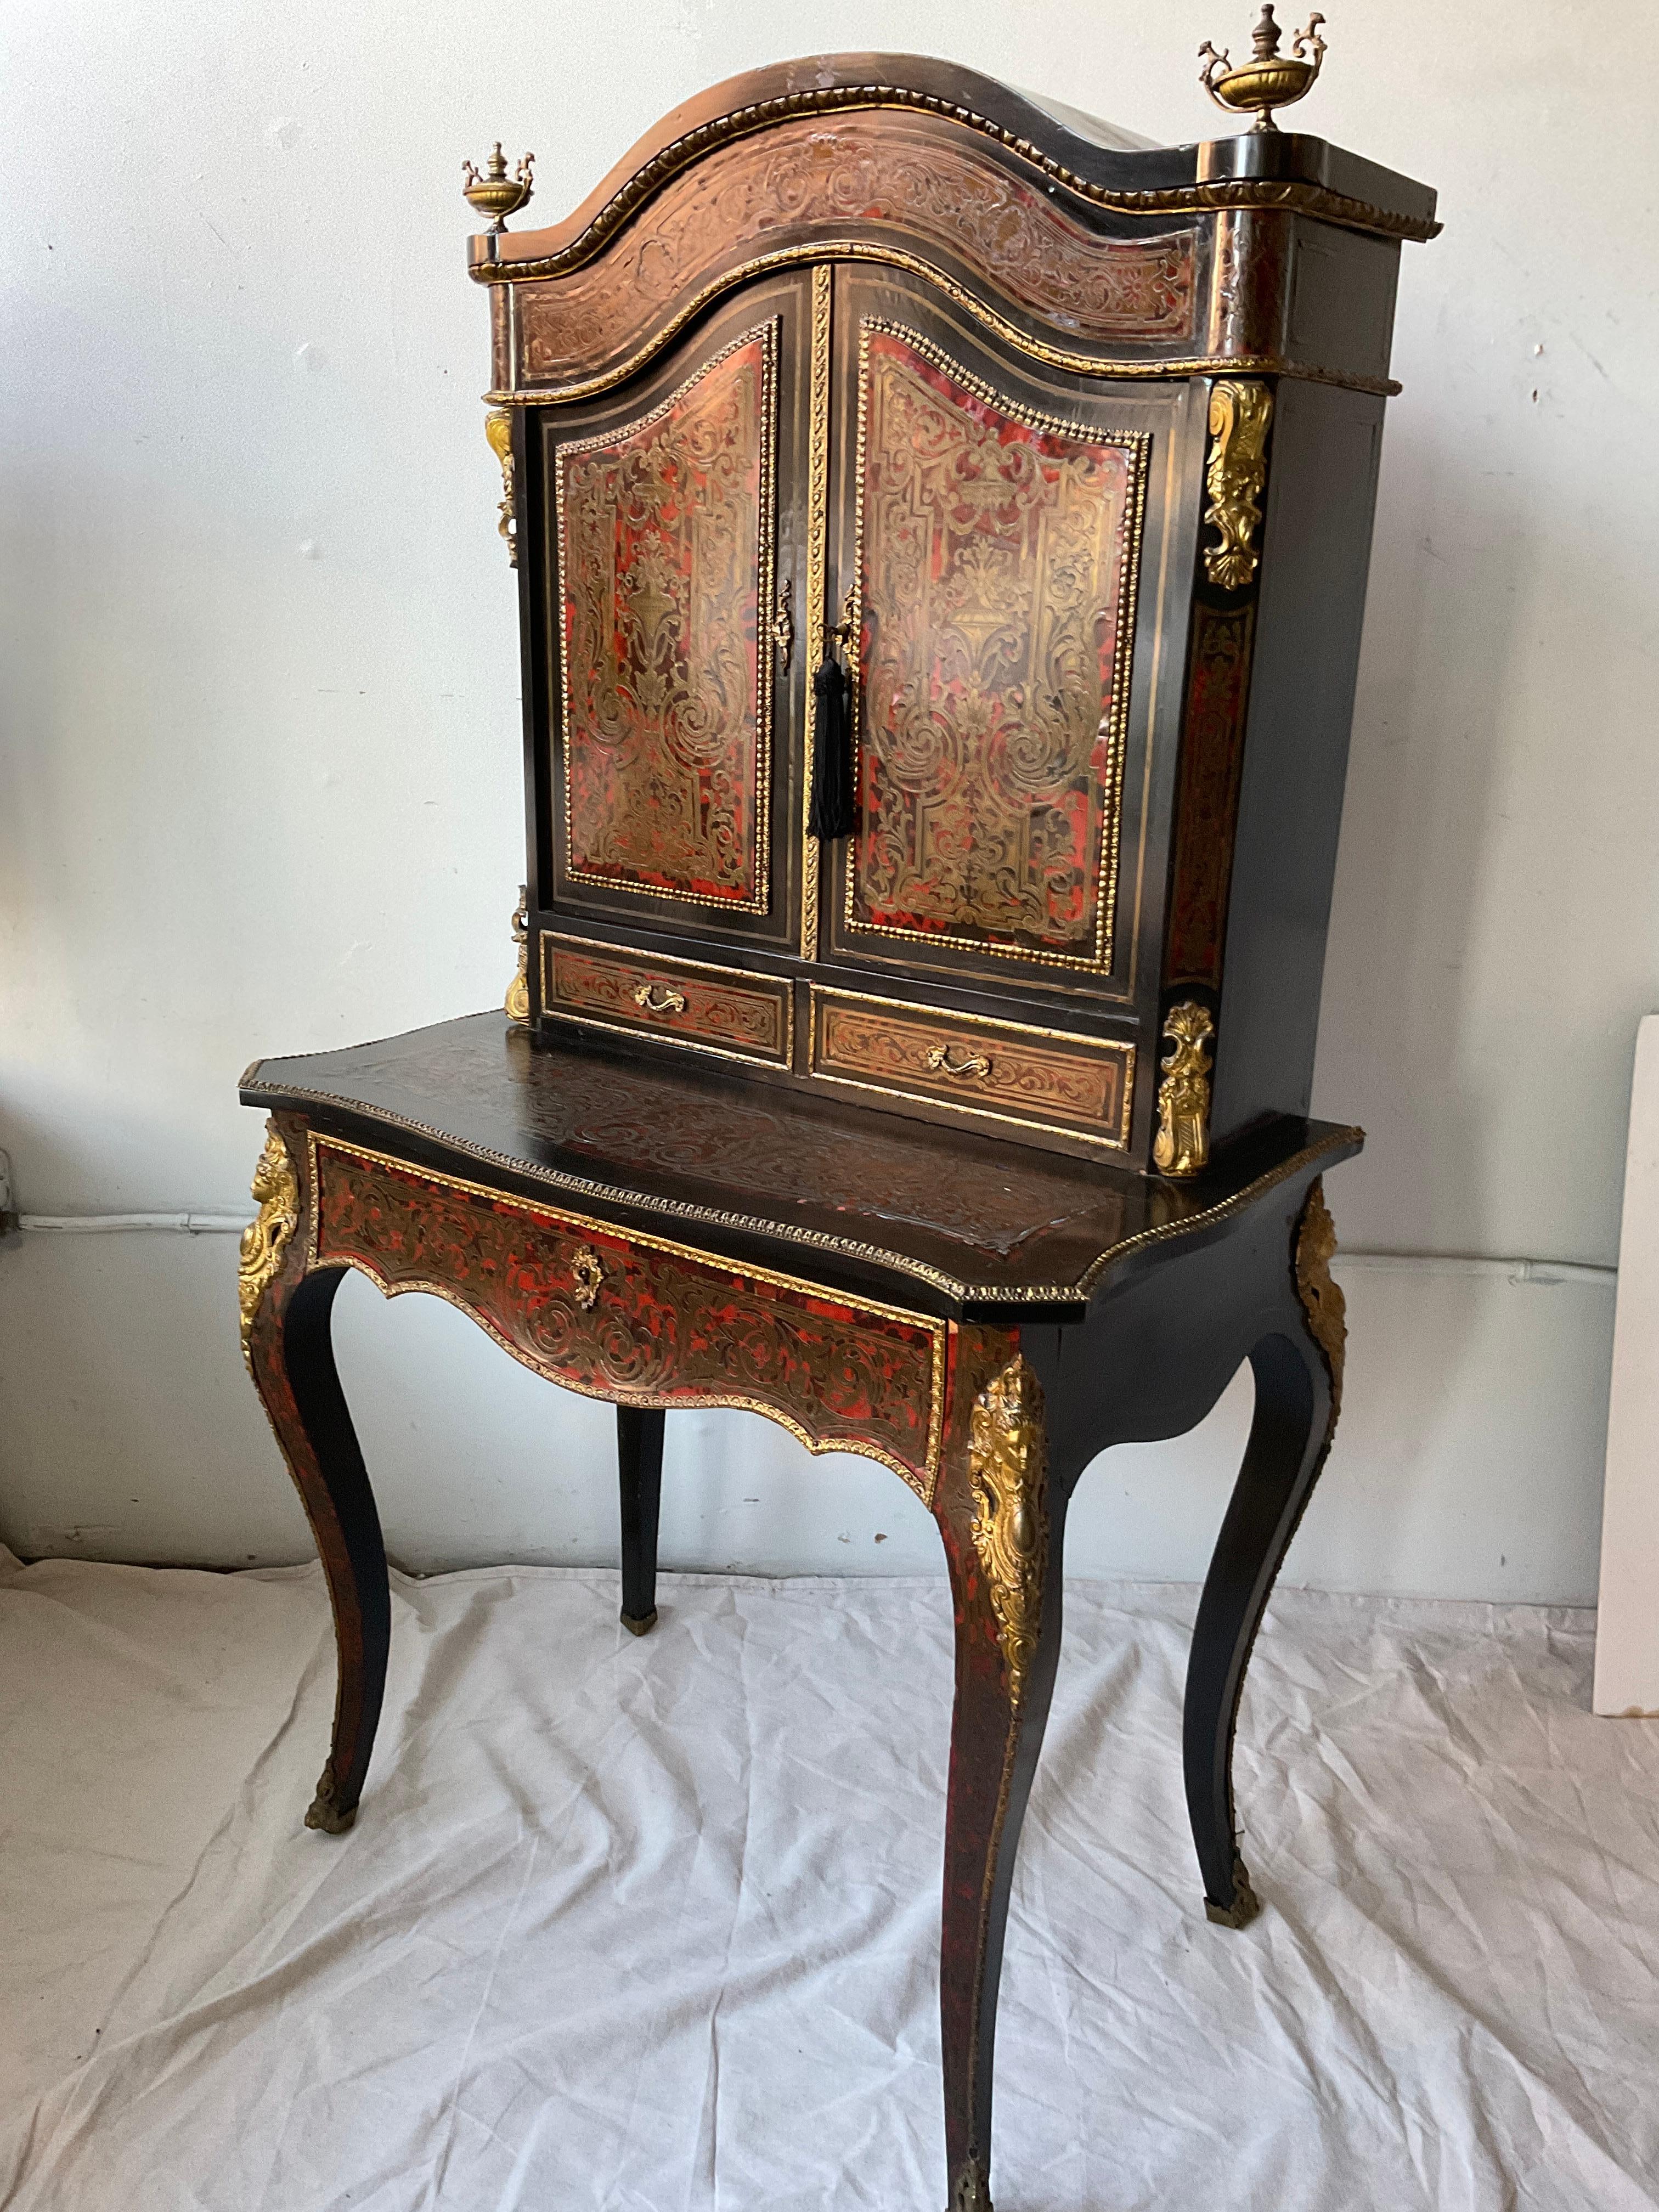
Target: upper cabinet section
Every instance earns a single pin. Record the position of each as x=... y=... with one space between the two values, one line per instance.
x=941 y=528
x=1083 y=252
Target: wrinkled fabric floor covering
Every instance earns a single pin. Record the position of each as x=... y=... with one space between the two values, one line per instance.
x=650 y=1926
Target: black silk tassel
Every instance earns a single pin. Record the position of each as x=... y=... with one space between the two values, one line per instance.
x=831 y=813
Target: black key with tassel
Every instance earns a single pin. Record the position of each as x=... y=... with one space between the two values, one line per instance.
x=832 y=813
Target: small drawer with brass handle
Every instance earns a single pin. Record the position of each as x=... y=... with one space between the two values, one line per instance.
x=688 y=1002
x=1021 y=1076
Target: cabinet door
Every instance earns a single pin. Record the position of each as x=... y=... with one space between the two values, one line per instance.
x=673 y=564
x=992 y=526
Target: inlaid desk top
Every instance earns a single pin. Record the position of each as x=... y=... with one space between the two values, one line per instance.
x=944 y=1219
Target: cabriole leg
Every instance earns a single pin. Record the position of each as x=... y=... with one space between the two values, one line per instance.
x=287 y=1338
x=639 y=1461
x=1298 y=1381
x=1002 y=1540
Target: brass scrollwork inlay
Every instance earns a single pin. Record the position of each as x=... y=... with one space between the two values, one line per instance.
x=660 y=999
x=1322 y=1298
x=1008 y=1465
x=1182 y=1146
x=498 y=428
x=1240 y=415
x=940 y=1059
x=516 y=1005
x=276 y=1194
x=667 y=544
x=586 y=1274
x=1027 y=630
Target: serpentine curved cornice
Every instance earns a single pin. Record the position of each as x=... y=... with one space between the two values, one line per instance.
x=1156 y=182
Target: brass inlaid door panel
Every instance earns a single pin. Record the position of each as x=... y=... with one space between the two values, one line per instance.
x=992 y=523
x=671 y=614
x=996 y=576
x=665 y=556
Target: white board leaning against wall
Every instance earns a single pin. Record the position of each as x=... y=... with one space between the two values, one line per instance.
x=1627 y=1625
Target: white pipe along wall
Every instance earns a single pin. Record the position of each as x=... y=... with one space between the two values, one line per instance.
x=261 y=765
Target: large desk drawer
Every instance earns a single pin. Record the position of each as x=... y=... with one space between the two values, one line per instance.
x=622 y=1314
x=723 y=1010
x=1000 y=1071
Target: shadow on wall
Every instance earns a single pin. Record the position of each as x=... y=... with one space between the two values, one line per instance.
x=1467 y=1462
x=1433 y=724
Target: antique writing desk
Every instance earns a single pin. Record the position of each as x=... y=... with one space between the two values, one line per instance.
x=941 y=530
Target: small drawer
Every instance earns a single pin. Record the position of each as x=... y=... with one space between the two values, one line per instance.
x=1045 y=1080
x=719 y=1010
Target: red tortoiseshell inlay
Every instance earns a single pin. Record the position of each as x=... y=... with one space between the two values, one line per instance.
x=996 y=591
x=620 y=1318
x=664 y=555
x=1206 y=811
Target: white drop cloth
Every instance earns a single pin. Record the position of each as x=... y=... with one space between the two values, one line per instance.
x=649 y=1926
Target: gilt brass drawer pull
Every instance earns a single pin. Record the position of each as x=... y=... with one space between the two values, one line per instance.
x=586 y=1274
x=941 y=1063
x=660 y=999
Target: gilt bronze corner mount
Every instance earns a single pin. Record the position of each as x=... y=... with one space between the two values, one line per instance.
x=1008 y=1468
x=1241 y=414
x=1183 y=1147
x=1321 y=1296
x=516 y=1005
x=498 y=428
x=276 y=1194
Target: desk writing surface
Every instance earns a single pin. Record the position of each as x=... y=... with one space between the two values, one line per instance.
x=974 y=1221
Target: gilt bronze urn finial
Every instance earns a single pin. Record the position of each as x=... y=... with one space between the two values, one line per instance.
x=1269 y=79
x=493 y=193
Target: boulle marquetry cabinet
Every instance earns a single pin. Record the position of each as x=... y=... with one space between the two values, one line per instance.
x=941 y=525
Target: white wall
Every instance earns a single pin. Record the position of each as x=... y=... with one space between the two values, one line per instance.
x=261 y=748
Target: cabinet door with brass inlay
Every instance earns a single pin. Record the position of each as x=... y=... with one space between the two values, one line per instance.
x=674 y=591
x=991 y=533
x=1034 y=1081
x=719 y=1010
